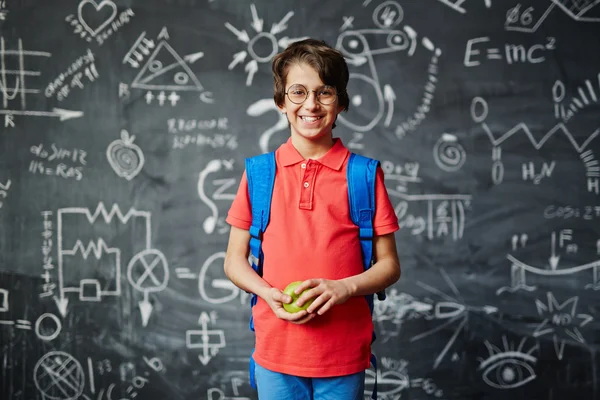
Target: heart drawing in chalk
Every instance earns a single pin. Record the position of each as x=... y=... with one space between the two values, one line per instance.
x=125 y=157
x=99 y=15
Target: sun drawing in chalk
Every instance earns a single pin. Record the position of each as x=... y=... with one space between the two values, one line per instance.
x=263 y=46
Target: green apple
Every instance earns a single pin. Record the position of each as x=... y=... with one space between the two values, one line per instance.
x=292 y=307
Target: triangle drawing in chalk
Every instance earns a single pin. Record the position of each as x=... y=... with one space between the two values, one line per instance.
x=166 y=70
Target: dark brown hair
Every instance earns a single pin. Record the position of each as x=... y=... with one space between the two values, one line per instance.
x=327 y=61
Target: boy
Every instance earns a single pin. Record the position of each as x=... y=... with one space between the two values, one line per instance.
x=323 y=351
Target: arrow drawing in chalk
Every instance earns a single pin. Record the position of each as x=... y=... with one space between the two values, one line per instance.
x=60 y=113
x=201 y=339
x=262 y=46
x=145 y=309
x=204 y=320
x=553 y=257
x=62 y=304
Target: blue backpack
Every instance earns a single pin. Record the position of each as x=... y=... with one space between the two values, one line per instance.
x=361 y=173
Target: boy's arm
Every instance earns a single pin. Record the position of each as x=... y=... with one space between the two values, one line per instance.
x=240 y=272
x=384 y=273
x=237 y=267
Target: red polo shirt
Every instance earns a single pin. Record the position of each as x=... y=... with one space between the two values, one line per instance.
x=311 y=235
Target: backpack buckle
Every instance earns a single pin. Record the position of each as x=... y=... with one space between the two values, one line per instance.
x=365 y=233
x=256 y=233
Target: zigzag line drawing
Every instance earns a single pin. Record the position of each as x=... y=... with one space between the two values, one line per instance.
x=96 y=247
x=522 y=127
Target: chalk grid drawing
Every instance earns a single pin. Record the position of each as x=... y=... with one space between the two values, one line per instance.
x=164 y=70
x=525 y=19
x=479 y=113
x=508 y=367
x=203 y=338
x=519 y=269
x=262 y=40
x=147 y=270
x=15 y=90
x=125 y=157
x=214 y=220
x=457 y=5
x=560 y=320
x=359 y=53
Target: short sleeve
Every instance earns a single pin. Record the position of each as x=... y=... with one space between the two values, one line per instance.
x=385 y=220
x=240 y=212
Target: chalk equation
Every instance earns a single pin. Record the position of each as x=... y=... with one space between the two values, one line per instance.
x=511 y=53
x=47 y=326
x=58 y=161
x=444 y=215
x=395 y=381
x=522 y=18
x=479 y=113
x=201 y=133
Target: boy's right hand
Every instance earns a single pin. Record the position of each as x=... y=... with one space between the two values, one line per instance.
x=275 y=300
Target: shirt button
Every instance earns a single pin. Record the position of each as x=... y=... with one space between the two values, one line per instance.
x=303 y=165
x=305 y=184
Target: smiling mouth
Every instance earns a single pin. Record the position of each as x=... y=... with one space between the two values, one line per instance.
x=310 y=119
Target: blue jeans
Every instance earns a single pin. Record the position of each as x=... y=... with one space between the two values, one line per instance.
x=277 y=386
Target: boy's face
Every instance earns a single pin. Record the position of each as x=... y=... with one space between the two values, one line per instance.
x=310 y=120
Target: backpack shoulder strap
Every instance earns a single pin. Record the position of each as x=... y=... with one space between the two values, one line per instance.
x=260 y=171
x=361 y=176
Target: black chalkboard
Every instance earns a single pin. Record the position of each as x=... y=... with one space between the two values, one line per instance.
x=124 y=126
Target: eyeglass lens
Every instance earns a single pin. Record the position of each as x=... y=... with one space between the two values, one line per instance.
x=298 y=94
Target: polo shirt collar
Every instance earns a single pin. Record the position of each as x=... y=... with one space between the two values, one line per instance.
x=334 y=158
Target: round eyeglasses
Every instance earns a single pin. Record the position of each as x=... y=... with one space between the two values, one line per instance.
x=298 y=94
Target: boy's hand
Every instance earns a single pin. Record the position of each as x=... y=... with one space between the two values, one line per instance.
x=326 y=293
x=275 y=300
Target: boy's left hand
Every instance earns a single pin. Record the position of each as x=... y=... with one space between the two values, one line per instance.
x=326 y=293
